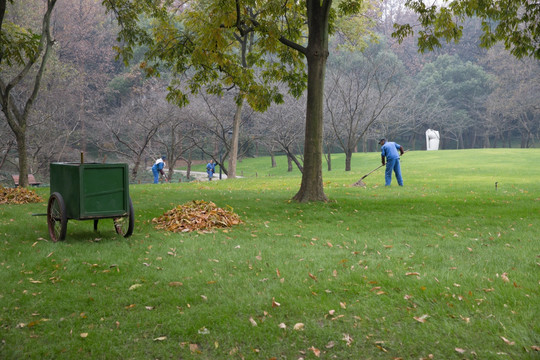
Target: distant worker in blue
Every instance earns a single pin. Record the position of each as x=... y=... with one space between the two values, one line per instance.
x=157 y=169
x=210 y=169
x=389 y=150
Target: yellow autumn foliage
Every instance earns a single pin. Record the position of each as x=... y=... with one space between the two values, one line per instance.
x=18 y=196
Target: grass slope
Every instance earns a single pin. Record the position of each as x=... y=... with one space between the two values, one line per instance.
x=446 y=266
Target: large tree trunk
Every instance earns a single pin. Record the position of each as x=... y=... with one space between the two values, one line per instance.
x=23 y=158
x=234 y=142
x=348 y=157
x=311 y=188
x=16 y=116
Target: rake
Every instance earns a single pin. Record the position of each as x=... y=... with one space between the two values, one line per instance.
x=363 y=184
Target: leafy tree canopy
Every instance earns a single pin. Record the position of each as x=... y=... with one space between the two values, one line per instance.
x=516 y=23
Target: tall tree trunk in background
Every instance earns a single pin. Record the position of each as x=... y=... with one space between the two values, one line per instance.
x=16 y=116
x=273 y=159
x=289 y=163
x=189 y=160
x=329 y=159
x=311 y=188
x=234 y=141
x=348 y=157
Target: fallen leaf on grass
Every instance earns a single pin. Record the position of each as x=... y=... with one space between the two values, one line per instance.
x=298 y=327
x=421 y=319
x=84 y=335
x=282 y=326
x=275 y=304
x=461 y=351
x=312 y=276
x=175 y=284
x=330 y=344
x=508 y=342
x=253 y=322
x=412 y=273
x=135 y=286
x=316 y=351
x=348 y=339
x=161 y=338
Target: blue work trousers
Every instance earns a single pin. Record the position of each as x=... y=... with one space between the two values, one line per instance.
x=393 y=165
x=156 y=175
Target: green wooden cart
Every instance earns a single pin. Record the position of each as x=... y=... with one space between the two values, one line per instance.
x=89 y=191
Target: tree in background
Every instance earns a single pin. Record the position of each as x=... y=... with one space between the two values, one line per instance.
x=461 y=87
x=280 y=129
x=130 y=130
x=279 y=31
x=25 y=53
x=515 y=23
x=514 y=104
x=360 y=88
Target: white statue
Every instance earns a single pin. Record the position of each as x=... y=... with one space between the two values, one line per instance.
x=432 y=139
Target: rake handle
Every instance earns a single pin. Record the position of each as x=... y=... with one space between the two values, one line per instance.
x=362 y=178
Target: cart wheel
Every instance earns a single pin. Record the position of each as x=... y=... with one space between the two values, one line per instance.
x=57 y=217
x=124 y=225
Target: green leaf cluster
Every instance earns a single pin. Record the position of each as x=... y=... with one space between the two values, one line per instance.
x=515 y=23
x=216 y=46
x=17 y=44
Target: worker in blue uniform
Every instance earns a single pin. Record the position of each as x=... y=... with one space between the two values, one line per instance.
x=389 y=150
x=210 y=169
x=157 y=169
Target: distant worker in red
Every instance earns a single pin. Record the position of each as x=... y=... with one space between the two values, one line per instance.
x=389 y=150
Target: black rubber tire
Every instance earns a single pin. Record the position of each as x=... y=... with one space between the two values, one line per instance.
x=57 y=217
x=124 y=225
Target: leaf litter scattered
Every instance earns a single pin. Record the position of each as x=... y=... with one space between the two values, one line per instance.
x=18 y=196
x=196 y=215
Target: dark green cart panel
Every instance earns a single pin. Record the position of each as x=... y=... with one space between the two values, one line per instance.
x=92 y=191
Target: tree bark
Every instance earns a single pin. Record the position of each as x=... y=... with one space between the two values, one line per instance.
x=348 y=157
x=329 y=161
x=234 y=141
x=289 y=163
x=311 y=188
x=17 y=117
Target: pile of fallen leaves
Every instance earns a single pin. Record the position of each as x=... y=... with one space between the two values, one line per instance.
x=18 y=195
x=197 y=215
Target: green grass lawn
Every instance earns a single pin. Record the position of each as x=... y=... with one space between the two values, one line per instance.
x=447 y=267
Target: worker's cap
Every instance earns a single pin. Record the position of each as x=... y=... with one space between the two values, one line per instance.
x=163 y=157
x=380 y=141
